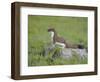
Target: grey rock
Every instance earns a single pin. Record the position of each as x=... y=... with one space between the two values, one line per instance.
x=69 y=52
x=66 y=53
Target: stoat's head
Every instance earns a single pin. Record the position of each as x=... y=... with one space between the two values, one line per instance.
x=52 y=31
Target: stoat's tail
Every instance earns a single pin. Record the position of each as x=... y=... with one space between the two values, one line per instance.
x=80 y=46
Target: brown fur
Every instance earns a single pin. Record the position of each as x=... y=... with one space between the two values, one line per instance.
x=56 y=38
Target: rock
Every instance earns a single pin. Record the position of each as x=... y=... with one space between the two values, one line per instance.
x=69 y=52
x=66 y=53
x=80 y=52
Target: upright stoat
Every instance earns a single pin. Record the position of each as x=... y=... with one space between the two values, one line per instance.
x=61 y=41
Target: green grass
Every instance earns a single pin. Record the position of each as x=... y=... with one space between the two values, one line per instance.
x=73 y=29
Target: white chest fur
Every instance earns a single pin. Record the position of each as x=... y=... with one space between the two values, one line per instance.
x=52 y=34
